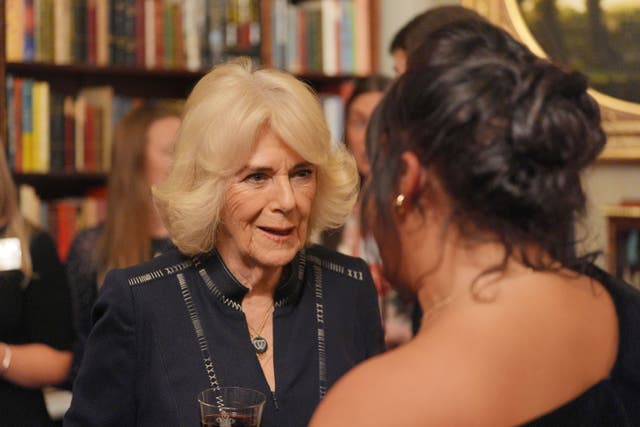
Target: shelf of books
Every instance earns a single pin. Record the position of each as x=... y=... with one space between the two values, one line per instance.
x=72 y=68
x=64 y=214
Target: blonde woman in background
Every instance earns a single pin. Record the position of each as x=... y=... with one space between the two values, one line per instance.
x=36 y=332
x=132 y=232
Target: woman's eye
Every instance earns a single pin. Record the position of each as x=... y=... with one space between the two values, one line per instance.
x=303 y=173
x=256 y=177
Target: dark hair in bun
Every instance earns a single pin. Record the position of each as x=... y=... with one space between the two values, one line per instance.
x=506 y=133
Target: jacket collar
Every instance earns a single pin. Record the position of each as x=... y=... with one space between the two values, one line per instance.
x=226 y=287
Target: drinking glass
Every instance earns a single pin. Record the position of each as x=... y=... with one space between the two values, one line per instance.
x=231 y=407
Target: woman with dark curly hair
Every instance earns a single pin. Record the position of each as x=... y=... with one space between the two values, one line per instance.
x=474 y=190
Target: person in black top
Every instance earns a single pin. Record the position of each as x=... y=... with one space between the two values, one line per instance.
x=475 y=185
x=132 y=231
x=36 y=331
x=243 y=300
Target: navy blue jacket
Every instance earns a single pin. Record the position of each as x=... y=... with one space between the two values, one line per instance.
x=144 y=365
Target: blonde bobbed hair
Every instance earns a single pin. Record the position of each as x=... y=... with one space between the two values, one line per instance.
x=226 y=113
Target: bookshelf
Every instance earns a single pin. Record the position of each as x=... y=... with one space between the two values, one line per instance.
x=135 y=69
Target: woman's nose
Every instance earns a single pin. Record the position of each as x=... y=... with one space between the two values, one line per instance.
x=284 y=197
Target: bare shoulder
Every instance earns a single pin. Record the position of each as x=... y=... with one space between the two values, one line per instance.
x=425 y=382
x=376 y=393
x=541 y=342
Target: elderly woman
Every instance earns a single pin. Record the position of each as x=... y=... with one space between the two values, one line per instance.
x=476 y=184
x=242 y=301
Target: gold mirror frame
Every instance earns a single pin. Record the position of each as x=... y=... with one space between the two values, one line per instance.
x=620 y=119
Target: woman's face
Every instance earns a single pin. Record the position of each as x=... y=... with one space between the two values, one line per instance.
x=265 y=217
x=159 y=150
x=358 y=116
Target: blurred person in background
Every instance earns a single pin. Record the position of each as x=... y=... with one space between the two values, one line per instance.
x=413 y=33
x=132 y=231
x=36 y=330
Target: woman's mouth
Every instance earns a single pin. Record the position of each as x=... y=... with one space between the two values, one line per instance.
x=279 y=232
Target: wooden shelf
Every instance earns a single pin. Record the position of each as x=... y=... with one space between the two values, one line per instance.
x=129 y=81
x=85 y=69
x=133 y=81
x=55 y=185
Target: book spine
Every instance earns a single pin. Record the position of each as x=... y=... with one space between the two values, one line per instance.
x=56 y=124
x=102 y=15
x=140 y=33
x=29 y=34
x=178 y=36
x=363 y=42
x=10 y=147
x=66 y=226
x=328 y=18
x=190 y=34
x=79 y=17
x=69 y=134
x=17 y=123
x=159 y=33
x=216 y=32
x=149 y=34
x=27 y=125
x=169 y=49
x=40 y=149
x=38 y=30
x=79 y=115
x=47 y=31
x=62 y=30
x=347 y=38
x=89 y=149
x=15 y=35
x=91 y=31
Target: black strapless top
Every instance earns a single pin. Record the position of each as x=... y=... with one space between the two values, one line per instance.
x=615 y=400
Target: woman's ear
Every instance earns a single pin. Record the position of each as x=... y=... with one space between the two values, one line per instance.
x=418 y=185
x=411 y=176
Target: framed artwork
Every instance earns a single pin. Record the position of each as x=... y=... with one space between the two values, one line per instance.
x=623 y=229
x=598 y=38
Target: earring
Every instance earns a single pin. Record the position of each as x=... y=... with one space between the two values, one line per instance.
x=400 y=200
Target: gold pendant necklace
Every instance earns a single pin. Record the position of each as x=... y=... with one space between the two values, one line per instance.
x=260 y=344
